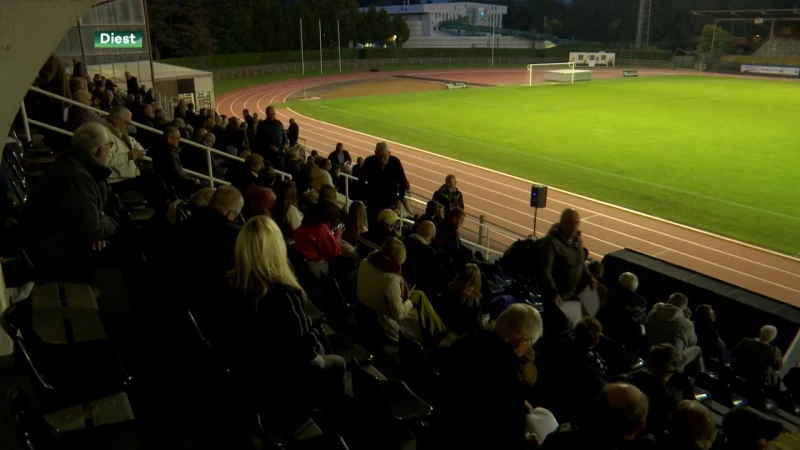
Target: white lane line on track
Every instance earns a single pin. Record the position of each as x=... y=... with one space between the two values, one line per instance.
x=278 y=91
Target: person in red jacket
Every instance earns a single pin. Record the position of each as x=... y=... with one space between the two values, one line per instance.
x=315 y=239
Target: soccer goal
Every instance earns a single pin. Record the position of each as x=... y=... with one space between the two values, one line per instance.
x=563 y=72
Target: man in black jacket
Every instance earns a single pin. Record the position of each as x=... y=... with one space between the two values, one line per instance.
x=167 y=163
x=133 y=84
x=272 y=140
x=423 y=266
x=382 y=181
x=63 y=219
x=484 y=403
x=294 y=132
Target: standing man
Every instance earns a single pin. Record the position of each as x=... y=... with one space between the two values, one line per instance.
x=382 y=181
x=133 y=84
x=294 y=133
x=272 y=139
x=448 y=195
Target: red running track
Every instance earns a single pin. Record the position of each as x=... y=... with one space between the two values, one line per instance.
x=503 y=199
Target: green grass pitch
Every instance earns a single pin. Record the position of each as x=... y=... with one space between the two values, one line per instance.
x=720 y=154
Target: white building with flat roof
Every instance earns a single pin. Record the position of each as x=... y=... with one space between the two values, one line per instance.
x=424 y=19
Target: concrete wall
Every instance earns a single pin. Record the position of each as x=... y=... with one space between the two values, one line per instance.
x=445 y=41
x=29 y=31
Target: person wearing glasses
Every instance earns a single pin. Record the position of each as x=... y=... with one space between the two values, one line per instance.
x=124 y=151
x=63 y=220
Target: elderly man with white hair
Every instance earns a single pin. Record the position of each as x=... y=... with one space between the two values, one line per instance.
x=125 y=151
x=63 y=220
x=488 y=366
x=382 y=181
x=627 y=298
x=757 y=360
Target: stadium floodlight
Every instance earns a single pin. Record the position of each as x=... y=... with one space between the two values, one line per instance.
x=567 y=68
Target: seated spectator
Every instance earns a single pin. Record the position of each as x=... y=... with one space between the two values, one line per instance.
x=690 y=427
x=293 y=133
x=341 y=157
x=78 y=116
x=197 y=135
x=318 y=238
x=109 y=101
x=125 y=151
x=161 y=119
x=747 y=429
x=460 y=307
x=663 y=362
x=447 y=235
x=167 y=163
x=596 y=269
x=434 y=212
x=200 y=198
x=320 y=174
x=573 y=374
x=621 y=326
x=63 y=220
x=356 y=169
x=448 y=195
x=242 y=175
x=626 y=297
x=381 y=288
x=285 y=212
x=328 y=193
x=488 y=365
x=355 y=224
x=707 y=336
x=387 y=226
x=757 y=360
x=423 y=267
x=234 y=138
x=201 y=248
x=668 y=324
x=266 y=316
x=618 y=422
x=259 y=197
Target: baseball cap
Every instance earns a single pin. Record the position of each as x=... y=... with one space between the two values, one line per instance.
x=388 y=217
x=744 y=424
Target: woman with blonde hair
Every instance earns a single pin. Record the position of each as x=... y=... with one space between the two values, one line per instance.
x=355 y=223
x=460 y=309
x=272 y=303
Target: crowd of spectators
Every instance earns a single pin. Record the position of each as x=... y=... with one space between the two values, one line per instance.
x=515 y=374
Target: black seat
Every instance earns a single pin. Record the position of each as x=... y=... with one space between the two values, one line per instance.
x=389 y=398
x=339 y=344
x=414 y=358
x=719 y=389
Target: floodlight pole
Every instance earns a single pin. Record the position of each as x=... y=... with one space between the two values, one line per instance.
x=771 y=37
x=492 y=44
x=339 y=44
x=320 y=46
x=714 y=38
x=302 y=57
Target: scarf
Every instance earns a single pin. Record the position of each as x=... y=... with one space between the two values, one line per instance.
x=387 y=265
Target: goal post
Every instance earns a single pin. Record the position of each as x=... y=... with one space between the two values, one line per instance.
x=569 y=65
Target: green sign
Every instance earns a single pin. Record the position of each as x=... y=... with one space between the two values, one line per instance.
x=117 y=39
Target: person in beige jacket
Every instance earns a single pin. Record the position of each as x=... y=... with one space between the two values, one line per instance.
x=125 y=151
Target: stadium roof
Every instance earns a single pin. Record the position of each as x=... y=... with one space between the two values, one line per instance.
x=752 y=14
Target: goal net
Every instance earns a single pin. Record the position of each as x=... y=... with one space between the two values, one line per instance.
x=536 y=72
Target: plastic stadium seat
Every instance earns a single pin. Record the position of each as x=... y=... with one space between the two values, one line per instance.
x=321 y=442
x=414 y=358
x=345 y=347
x=719 y=389
x=391 y=398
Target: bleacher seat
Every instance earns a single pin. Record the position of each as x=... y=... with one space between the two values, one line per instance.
x=391 y=399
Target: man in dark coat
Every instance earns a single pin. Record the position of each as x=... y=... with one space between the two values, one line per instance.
x=167 y=163
x=382 y=181
x=294 y=132
x=423 y=266
x=341 y=156
x=63 y=221
x=133 y=84
x=272 y=139
x=707 y=336
x=448 y=195
x=483 y=391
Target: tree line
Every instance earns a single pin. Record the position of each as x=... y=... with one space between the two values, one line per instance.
x=205 y=27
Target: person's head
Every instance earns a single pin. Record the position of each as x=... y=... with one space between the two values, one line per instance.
x=255 y=162
x=323 y=212
x=382 y=153
x=664 y=361
x=467 y=285
x=628 y=282
x=621 y=411
x=356 y=217
x=160 y=113
x=450 y=182
x=285 y=196
x=208 y=123
x=595 y=269
x=691 y=426
x=172 y=136
x=201 y=197
x=747 y=429
x=336 y=169
x=315 y=154
x=432 y=208
x=427 y=230
x=198 y=134
x=456 y=217
x=291 y=121
x=120 y=117
x=129 y=97
x=394 y=250
x=360 y=161
x=233 y=123
x=260 y=259
x=148 y=111
x=270 y=113
x=245 y=112
x=767 y=334
x=109 y=95
x=323 y=163
x=143 y=88
x=128 y=75
x=182 y=102
x=82 y=96
x=520 y=325
x=76 y=84
x=209 y=139
x=328 y=193
x=310 y=159
x=679 y=300
x=93 y=139
x=388 y=220
x=227 y=200
x=339 y=146
x=570 y=222
x=179 y=123
x=705 y=314
x=190 y=106
x=266 y=177
x=587 y=333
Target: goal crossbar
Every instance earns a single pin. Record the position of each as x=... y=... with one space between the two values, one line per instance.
x=569 y=64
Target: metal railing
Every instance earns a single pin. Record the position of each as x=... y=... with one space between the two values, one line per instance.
x=209 y=151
